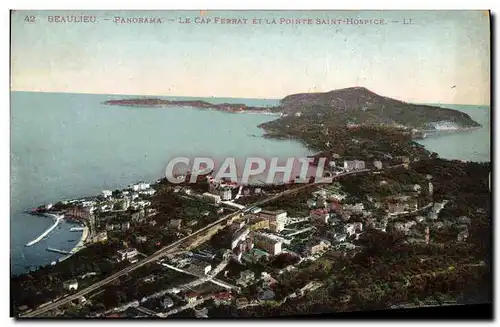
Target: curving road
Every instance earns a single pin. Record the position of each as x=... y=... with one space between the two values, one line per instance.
x=162 y=252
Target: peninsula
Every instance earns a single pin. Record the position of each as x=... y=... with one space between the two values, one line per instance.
x=222 y=249
x=353 y=105
x=156 y=102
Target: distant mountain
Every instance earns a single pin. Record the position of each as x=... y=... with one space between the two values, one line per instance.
x=359 y=105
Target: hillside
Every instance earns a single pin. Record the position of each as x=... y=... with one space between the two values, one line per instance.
x=355 y=105
x=359 y=105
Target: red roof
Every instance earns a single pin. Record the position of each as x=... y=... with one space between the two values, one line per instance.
x=113 y=315
x=223 y=296
x=335 y=206
x=192 y=294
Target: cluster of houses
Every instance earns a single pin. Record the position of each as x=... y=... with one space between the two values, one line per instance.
x=107 y=212
x=247 y=236
x=265 y=233
x=264 y=284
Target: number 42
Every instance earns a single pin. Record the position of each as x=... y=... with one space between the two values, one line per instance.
x=29 y=19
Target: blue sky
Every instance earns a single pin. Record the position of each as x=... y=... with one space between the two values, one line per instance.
x=419 y=62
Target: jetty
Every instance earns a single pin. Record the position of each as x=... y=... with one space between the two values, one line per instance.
x=79 y=246
x=57 y=219
x=57 y=251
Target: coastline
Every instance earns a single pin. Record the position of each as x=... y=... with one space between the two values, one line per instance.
x=244 y=109
x=79 y=246
x=85 y=233
x=436 y=132
x=288 y=137
x=56 y=218
x=195 y=104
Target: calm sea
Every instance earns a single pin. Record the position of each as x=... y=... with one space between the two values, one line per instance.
x=70 y=145
x=471 y=146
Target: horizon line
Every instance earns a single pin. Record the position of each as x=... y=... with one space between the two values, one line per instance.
x=256 y=98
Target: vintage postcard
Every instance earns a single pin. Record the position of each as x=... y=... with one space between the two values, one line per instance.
x=248 y=163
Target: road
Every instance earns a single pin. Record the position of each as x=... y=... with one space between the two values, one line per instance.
x=146 y=311
x=185 y=307
x=162 y=252
x=210 y=277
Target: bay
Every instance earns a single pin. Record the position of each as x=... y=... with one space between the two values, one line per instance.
x=71 y=145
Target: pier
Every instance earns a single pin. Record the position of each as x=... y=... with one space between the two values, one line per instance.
x=79 y=246
x=57 y=219
x=57 y=251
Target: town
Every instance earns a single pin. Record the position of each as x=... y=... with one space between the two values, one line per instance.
x=197 y=249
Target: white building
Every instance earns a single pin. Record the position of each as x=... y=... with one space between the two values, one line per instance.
x=148 y=192
x=267 y=243
x=86 y=204
x=358 y=207
x=340 y=237
x=70 y=285
x=277 y=219
x=106 y=208
x=377 y=164
x=226 y=193
x=352 y=228
x=359 y=164
x=256 y=210
x=106 y=193
x=127 y=254
x=354 y=165
x=211 y=197
x=349 y=229
x=141 y=186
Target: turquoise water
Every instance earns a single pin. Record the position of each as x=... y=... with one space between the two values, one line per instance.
x=70 y=145
x=471 y=146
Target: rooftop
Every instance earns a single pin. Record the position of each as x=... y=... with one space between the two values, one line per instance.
x=223 y=296
x=273 y=212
